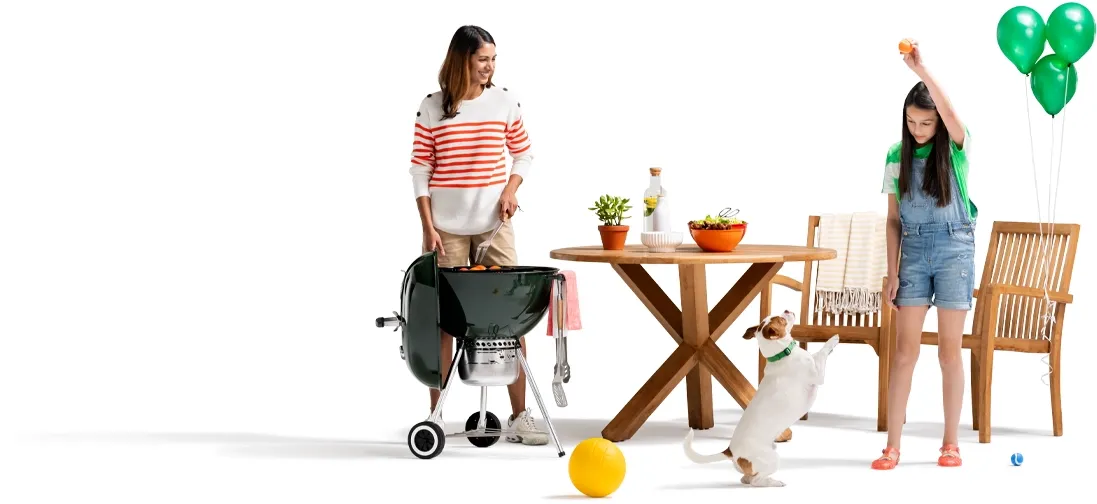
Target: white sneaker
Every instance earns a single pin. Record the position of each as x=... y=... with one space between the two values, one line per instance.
x=525 y=430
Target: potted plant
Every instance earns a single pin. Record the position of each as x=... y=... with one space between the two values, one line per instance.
x=611 y=211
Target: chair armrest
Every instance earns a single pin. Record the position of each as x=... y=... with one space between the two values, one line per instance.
x=968 y=340
x=975 y=293
x=1058 y=297
x=791 y=283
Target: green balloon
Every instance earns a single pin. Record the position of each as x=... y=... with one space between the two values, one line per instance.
x=1054 y=81
x=1021 y=37
x=1070 y=31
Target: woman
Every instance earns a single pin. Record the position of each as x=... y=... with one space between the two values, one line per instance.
x=461 y=182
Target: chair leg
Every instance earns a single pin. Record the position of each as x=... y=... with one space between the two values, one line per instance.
x=804 y=345
x=975 y=389
x=986 y=372
x=763 y=312
x=1056 y=394
x=883 y=377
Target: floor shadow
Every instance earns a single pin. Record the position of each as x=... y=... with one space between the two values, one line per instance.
x=570 y=431
x=712 y=485
x=915 y=429
x=321 y=449
x=819 y=463
x=394 y=445
x=654 y=432
x=786 y=464
x=246 y=444
x=573 y=430
x=795 y=463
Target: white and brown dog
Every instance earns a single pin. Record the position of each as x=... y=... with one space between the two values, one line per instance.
x=785 y=394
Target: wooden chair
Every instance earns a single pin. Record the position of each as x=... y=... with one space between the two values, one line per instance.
x=873 y=329
x=1010 y=306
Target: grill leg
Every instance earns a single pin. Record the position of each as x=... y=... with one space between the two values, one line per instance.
x=482 y=423
x=436 y=415
x=540 y=402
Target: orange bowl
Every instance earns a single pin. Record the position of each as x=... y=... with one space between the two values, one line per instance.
x=719 y=240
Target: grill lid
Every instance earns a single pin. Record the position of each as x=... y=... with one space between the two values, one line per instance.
x=419 y=308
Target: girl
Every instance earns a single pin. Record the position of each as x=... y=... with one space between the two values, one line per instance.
x=931 y=216
x=461 y=183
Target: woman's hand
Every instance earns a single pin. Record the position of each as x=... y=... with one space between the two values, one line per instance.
x=893 y=290
x=432 y=242
x=913 y=59
x=508 y=203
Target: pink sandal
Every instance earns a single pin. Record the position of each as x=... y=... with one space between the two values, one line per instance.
x=950 y=456
x=889 y=460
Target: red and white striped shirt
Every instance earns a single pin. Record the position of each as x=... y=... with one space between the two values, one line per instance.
x=460 y=162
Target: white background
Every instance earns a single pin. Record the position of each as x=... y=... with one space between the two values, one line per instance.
x=205 y=205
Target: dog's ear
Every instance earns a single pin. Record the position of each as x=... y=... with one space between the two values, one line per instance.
x=750 y=332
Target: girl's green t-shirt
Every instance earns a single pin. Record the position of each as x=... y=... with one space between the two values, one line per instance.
x=960 y=166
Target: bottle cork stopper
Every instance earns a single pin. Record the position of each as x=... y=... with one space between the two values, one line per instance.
x=655 y=171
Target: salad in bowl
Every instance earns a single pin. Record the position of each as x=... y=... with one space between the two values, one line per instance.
x=718 y=234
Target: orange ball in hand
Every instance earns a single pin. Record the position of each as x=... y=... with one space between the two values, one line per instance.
x=905 y=46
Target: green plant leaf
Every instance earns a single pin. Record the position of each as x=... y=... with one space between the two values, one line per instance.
x=611 y=209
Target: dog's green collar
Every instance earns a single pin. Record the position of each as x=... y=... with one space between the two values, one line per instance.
x=781 y=355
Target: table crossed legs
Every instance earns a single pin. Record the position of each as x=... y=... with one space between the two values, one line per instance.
x=697 y=358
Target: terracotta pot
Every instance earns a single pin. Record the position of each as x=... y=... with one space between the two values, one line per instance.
x=719 y=240
x=613 y=237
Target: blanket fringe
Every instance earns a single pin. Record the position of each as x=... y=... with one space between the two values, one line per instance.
x=848 y=300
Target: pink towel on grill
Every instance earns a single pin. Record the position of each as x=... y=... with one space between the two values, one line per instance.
x=572 y=323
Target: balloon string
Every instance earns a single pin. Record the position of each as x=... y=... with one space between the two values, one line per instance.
x=1036 y=184
x=1047 y=327
x=1048 y=318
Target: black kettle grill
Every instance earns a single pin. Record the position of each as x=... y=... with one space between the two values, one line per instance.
x=486 y=312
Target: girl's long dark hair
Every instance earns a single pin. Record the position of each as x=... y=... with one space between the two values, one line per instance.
x=937 y=182
x=455 y=77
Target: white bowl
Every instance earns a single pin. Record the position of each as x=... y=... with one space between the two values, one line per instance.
x=664 y=241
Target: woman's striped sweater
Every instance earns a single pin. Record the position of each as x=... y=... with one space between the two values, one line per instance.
x=460 y=162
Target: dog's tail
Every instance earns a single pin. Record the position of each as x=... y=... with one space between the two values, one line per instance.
x=699 y=458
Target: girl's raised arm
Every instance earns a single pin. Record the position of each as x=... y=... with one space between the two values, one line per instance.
x=952 y=121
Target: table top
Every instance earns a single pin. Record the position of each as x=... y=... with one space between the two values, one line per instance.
x=689 y=253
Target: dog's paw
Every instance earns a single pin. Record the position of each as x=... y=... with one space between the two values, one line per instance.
x=766 y=482
x=745 y=480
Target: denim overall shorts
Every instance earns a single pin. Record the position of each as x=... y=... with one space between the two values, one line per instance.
x=937 y=259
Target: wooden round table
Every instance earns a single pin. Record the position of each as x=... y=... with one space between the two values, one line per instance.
x=694 y=327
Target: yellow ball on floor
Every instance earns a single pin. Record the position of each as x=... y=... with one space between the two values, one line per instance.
x=596 y=467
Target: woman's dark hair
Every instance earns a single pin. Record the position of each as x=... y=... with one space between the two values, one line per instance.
x=455 y=77
x=937 y=181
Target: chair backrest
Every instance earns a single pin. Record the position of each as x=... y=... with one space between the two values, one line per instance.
x=1021 y=254
x=809 y=315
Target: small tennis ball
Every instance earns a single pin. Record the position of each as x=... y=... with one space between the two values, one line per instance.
x=1016 y=459
x=905 y=46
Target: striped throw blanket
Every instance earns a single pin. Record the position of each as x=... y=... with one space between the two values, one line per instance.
x=851 y=282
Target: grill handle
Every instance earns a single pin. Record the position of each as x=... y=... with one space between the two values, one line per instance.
x=390 y=321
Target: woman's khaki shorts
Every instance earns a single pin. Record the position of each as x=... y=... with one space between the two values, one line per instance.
x=460 y=248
